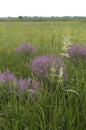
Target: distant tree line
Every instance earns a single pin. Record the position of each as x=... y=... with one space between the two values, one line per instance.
x=39 y=19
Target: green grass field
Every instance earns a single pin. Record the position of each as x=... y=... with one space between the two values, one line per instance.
x=62 y=109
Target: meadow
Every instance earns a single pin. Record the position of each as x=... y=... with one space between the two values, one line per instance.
x=42 y=76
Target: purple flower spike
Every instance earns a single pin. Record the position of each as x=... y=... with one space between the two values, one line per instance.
x=26 y=47
x=7 y=77
x=21 y=85
x=42 y=65
x=24 y=84
x=77 y=51
x=35 y=85
x=28 y=85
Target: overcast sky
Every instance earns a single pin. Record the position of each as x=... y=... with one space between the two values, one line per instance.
x=15 y=8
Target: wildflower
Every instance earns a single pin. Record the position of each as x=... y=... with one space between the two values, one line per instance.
x=7 y=77
x=34 y=89
x=27 y=85
x=65 y=46
x=52 y=74
x=77 y=51
x=23 y=84
x=19 y=85
x=43 y=66
x=26 y=49
x=64 y=55
x=7 y=81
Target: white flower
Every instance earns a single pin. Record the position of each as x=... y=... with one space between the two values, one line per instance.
x=65 y=46
x=65 y=55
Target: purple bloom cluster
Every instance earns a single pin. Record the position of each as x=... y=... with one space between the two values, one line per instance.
x=77 y=51
x=41 y=65
x=7 y=76
x=26 y=48
x=21 y=85
x=26 y=84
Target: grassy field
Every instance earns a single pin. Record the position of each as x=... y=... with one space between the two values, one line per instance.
x=59 y=103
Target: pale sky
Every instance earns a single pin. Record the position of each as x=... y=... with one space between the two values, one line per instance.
x=15 y=8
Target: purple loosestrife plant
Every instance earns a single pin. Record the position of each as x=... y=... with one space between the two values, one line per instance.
x=7 y=77
x=42 y=66
x=10 y=83
x=77 y=52
x=27 y=85
x=7 y=81
x=35 y=86
x=24 y=84
x=26 y=49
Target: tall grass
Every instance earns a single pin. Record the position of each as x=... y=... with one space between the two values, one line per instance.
x=62 y=108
